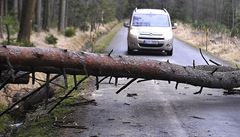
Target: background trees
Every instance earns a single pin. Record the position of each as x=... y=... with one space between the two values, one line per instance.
x=85 y=14
x=26 y=21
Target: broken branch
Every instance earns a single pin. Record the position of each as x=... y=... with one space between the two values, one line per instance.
x=69 y=92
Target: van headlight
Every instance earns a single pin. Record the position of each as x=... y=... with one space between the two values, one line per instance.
x=134 y=33
x=168 y=37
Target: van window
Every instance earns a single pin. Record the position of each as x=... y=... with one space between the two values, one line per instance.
x=150 y=20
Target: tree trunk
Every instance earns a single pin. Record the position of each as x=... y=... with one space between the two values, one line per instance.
x=193 y=11
x=5 y=7
x=46 y=15
x=62 y=13
x=233 y=13
x=26 y=21
x=39 y=15
x=1 y=17
x=20 y=7
x=15 y=8
x=119 y=66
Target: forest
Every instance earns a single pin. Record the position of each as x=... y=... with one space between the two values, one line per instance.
x=19 y=18
x=217 y=15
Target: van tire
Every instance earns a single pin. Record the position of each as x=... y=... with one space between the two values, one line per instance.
x=170 y=52
x=130 y=51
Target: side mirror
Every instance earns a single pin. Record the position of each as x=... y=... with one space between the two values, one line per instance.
x=174 y=26
x=126 y=24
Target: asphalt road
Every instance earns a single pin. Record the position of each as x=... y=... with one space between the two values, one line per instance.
x=157 y=109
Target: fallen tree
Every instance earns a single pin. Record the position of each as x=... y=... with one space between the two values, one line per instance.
x=62 y=61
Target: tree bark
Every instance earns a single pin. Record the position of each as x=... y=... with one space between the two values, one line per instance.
x=119 y=66
x=62 y=16
x=15 y=8
x=39 y=15
x=46 y=15
x=1 y=17
x=20 y=7
x=5 y=7
x=26 y=21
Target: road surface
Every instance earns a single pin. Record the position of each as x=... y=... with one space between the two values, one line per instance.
x=155 y=108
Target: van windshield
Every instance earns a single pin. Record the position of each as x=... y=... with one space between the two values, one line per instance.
x=150 y=20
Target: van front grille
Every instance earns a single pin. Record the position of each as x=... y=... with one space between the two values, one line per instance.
x=150 y=45
x=151 y=38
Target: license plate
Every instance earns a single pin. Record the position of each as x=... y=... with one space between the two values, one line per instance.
x=150 y=42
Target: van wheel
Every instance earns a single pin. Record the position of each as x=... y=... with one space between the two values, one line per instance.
x=170 y=52
x=130 y=51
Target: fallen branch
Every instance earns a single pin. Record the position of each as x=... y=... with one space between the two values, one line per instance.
x=27 y=96
x=16 y=78
x=66 y=95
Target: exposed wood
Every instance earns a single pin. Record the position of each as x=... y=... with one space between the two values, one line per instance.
x=124 y=66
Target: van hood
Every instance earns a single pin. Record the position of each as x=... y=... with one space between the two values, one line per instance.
x=159 y=31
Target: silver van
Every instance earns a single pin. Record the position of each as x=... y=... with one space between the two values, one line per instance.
x=150 y=29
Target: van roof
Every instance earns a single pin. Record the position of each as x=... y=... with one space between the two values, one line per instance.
x=151 y=11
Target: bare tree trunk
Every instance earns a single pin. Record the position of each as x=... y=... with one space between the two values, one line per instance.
x=194 y=11
x=215 y=10
x=1 y=17
x=39 y=15
x=20 y=5
x=62 y=16
x=15 y=8
x=26 y=21
x=233 y=13
x=5 y=7
x=52 y=11
x=119 y=66
x=46 y=15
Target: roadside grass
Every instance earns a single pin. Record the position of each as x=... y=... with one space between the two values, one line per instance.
x=100 y=45
x=4 y=120
x=40 y=124
x=220 y=45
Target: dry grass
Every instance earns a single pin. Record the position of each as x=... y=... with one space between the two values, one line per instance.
x=220 y=45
